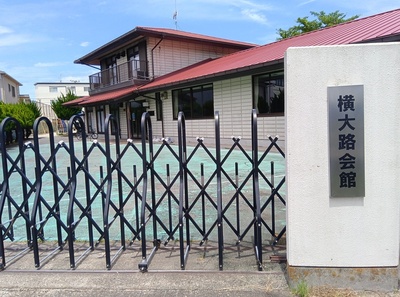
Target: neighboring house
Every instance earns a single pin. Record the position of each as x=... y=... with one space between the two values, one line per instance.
x=233 y=83
x=24 y=98
x=9 y=88
x=46 y=92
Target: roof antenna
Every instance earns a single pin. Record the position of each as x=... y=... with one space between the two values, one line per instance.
x=175 y=17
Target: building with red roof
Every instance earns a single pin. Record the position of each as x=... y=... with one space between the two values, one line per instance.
x=199 y=75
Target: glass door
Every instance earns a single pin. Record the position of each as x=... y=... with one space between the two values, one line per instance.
x=136 y=115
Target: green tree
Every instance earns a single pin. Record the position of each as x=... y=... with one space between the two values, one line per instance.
x=34 y=108
x=322 y=20
x=2 y=115
x=65 y=112
x=25 y=116
x=24 y=113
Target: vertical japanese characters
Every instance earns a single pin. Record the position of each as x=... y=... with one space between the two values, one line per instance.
x=346 y=141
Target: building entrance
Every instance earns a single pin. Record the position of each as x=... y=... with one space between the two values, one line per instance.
x=137 y=110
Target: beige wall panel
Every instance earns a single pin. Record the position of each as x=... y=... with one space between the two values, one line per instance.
x=172 y=55
x=122 y=122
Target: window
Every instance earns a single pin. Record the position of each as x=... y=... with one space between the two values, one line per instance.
x=269 y=93
x=100 y=117
x=134 y=62
x=195 y=102
x=13 y=91
x=133 y=57
x=90 y=118
x=53 y=89
x=72 y=89
x=111 y=66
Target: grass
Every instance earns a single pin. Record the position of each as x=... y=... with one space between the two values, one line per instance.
x=301 y=289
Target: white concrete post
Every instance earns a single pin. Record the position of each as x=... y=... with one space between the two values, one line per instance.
x=338 y=241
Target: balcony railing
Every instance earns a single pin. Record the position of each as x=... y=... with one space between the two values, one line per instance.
x=125 y=72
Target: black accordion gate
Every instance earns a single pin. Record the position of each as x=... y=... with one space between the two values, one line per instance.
x=150 y=192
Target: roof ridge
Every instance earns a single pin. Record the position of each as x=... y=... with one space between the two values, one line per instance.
x=181 y=32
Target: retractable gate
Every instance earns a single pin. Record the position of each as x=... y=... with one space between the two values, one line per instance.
x=151 y=192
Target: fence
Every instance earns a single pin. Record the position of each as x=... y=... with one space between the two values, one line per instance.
x=146 y=192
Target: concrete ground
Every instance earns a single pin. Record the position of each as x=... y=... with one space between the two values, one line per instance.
x=164 y=277
x=240 y=276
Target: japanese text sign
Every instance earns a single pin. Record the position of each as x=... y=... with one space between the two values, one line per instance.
x=346 y=141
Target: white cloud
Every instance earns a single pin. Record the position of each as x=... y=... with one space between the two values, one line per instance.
x=255 y=16
x=233 y=10
x=7 y=39
x=244 y=4
x=253 y=4
x=12 y=40
x=50 y=64
x=5 y=30
x=306 y=2
x=84 y=44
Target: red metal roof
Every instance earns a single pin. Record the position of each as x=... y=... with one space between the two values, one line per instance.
x=94 y=57
x=76 y=101
x=374 y=28
x=371 y=28
x=103 y=97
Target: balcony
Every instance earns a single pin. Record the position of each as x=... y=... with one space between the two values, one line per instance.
x=128 y=73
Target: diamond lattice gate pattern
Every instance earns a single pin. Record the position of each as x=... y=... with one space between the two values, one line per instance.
x=146 y=194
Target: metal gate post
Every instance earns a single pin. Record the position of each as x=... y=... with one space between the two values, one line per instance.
x=183 y=192
x=146 y=130
x=4 y=189
x=107 y=203
x=36 y=207
x=219 y=192
x=256 y=192
x=23 y=210
x=74 y=121
x=156 y=240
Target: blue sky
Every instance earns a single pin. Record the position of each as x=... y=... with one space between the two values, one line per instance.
x=40 y=39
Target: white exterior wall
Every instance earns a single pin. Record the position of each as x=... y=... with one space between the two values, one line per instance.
x=43 y=94
x=6 y=84
x=172 y=55
x=342 y=232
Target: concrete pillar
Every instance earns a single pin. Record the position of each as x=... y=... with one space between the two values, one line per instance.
x=338 y=241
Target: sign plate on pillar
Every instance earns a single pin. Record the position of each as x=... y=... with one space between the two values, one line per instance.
x=346 y=141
